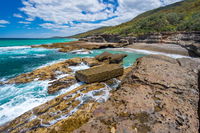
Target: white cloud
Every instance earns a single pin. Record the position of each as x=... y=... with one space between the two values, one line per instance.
x=58 y=13
x=17 y=15
x=24 y=22
x=4 y=22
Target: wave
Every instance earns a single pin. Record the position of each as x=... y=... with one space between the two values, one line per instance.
x=14 y=47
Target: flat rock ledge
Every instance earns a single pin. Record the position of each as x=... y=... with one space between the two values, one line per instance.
x=100 y=73
x=157 y=94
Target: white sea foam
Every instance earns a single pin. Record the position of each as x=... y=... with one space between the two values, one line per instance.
x=81 y=51
x=24 y=98
x=149 y=52
x=14 y=47
x=82 y=66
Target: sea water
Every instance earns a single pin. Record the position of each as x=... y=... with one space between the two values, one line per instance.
x=17 y=57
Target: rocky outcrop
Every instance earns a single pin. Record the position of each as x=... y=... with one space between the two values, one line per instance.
x=187 y=40
x=99 y=73
x=63 y=114
x=111 y=58
x=105 y=38
x=77 y=45
x=59 y=75
x=158 y=95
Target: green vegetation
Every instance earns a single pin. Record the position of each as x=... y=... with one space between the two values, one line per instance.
x=180 y=16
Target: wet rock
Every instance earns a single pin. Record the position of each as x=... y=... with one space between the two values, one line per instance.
x=63 y=114
x=99 y=73
x=61 y=84
x=91 y=62
x=74 y=61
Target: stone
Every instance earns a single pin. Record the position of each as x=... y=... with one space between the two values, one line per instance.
x=74 y=61
x=117 y=58
x=62 y=83
x=157 y=95
x=112 y=58
x=91 y=62
x=63 y=114
x=103 y=56
x=99 y=73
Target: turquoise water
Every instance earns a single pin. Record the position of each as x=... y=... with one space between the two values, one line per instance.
x=15 y=60
x=25 y=42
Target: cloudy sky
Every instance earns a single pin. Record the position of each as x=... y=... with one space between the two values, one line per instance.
x=46 y=18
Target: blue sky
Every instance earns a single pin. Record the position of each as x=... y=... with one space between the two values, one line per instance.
x=47 y=18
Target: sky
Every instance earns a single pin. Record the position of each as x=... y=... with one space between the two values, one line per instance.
x=47 y=18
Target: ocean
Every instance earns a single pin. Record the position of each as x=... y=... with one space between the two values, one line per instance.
x=17 y=57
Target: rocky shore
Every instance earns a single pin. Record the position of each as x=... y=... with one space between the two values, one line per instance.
x=156 y=94
x=184 y=43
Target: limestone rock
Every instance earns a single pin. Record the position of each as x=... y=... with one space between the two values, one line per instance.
x=99 y=73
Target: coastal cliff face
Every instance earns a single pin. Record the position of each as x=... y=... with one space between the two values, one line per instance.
x=157 y=94
x=187 y=40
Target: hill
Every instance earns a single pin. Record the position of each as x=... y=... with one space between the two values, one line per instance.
x=180 y=16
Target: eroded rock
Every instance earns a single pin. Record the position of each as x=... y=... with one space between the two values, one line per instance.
x=111 y=58
x=157 y=95
x=99 y=73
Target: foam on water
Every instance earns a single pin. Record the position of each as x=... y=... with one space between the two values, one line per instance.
x=17 y=99
x=14 y=47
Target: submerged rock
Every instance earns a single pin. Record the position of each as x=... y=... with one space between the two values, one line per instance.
x=99 y=73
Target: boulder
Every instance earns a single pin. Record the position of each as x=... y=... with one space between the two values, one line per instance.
x=91 y=62
x=112 y=58
x=103 y=56
x=100 y=73
x=117 y=58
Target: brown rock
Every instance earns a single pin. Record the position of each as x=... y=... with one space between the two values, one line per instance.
x=158 y=95
x=61 y=84
x=99 y=73
x=117 y=58
x=74 y=61
x=103 y=56
x=91 y=62
x=112 y=58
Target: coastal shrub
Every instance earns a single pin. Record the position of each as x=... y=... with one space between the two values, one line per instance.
x=180 y=16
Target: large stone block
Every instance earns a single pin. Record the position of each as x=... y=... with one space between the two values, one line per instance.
x=100 y=73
